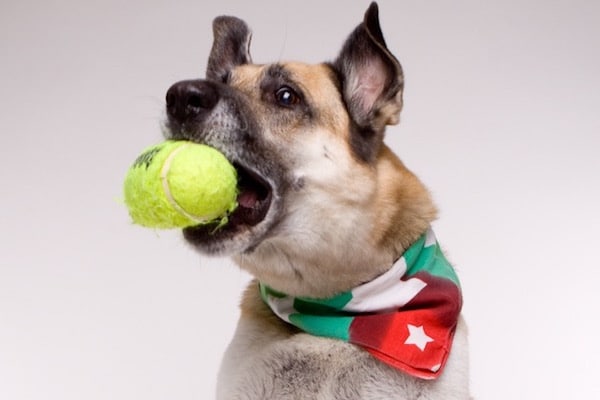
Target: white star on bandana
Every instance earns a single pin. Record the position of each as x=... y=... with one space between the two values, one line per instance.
x=418 y=337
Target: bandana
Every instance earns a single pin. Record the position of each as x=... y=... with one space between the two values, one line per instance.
x=405 y=317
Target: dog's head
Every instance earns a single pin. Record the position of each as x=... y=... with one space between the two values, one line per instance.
x=323 y=203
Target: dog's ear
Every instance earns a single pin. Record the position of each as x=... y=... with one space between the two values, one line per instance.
x=371 y=76
x=231 y=47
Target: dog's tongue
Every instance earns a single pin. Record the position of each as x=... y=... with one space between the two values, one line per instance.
x=254 y=198
x=247 y=198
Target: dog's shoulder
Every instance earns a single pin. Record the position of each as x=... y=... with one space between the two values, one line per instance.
x=270 y=359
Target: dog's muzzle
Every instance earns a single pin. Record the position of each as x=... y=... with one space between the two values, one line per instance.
x=210 y=113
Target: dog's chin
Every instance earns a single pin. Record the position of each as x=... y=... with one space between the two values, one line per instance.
x=246 y=226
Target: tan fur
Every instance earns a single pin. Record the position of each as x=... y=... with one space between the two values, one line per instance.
x=402 y=197
x=315 y=80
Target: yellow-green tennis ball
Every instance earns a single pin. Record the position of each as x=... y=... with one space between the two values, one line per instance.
x=178 y=184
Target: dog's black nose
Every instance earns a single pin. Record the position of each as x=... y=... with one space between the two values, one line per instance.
x=189 y=100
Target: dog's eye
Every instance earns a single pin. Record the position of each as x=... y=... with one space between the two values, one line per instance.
x=285 y=96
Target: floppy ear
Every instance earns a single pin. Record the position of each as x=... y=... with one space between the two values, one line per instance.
x=372 y=79
x=231 y=47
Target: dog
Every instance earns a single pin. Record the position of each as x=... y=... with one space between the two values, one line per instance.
x=326 y=212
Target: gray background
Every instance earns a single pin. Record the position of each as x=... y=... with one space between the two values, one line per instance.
x=501 y=122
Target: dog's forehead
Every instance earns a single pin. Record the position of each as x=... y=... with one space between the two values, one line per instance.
x=315 y=80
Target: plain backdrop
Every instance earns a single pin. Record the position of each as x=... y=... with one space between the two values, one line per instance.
x=501 y=121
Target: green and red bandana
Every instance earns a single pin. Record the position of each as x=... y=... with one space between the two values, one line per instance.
x=405 y=317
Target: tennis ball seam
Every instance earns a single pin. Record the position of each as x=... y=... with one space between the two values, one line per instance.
x=164 y=173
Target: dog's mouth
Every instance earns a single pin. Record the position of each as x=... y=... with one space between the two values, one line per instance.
x=255 y=196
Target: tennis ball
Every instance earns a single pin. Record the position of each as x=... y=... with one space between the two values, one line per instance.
x=177 y=184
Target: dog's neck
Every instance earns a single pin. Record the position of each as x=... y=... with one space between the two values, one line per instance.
x=299 y=273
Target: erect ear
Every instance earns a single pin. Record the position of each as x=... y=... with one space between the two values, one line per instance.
x=231 y=47
x=372 y=79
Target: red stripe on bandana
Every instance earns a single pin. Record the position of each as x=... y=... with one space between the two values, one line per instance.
x=416 y=338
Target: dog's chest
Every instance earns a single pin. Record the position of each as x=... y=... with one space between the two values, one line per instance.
x=267 y=360
x=301 y=367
